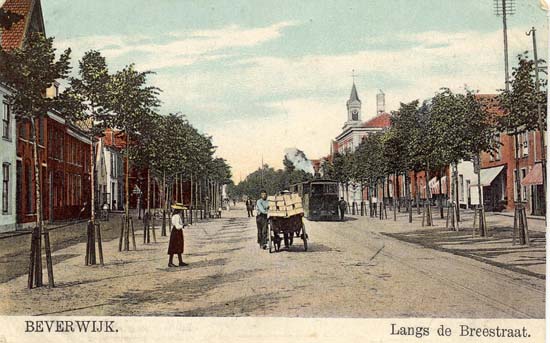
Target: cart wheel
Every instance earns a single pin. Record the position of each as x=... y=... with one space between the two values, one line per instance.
x=304 y=236
x=270 y=242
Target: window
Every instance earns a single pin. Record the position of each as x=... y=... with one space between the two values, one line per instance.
x=5 y=187
x=498 y=152
x=523 y=149
x=525 y=144
x=6 y=122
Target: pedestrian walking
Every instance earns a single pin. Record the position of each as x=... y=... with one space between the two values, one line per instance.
x=250 y=207
x=176 y=245
x=342 y=206
x=262 y=205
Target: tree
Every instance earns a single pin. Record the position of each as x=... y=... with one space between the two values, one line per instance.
x=407 y=127
x=87 y=101
x=520 y=103
x=30 y=71
x=132 y=103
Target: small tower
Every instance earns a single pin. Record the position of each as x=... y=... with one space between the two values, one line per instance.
x=380 y=102
x=354 y=108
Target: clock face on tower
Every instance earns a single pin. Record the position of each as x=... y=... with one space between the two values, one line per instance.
x=354 y=114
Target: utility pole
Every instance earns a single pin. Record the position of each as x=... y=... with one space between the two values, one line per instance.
x=506 y=8
x=532 y=33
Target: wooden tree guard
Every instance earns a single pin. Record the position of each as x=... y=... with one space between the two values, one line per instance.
x=427 y=214
x=521 y=230
x=49 y=262
x=35 y=260
x=383 y=213
x=146 y=223
x=479 y=218
x=121 y=238
x=163 y=229
x=133 y=233
x=90 y=245
x=33 y=263
x=127 y=227
x=452 y=217
x=99 y=243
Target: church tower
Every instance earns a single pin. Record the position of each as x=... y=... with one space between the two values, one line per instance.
x=354 y=109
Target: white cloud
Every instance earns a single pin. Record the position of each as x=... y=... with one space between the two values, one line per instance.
x=184 y=48
x=315 y=87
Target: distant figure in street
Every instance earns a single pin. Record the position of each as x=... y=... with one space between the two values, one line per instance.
x=234 y=202
x=342 y=206
x=250 y=207
x=176 y=237
x=262 y=205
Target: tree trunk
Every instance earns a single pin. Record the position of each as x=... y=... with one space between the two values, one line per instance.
x=163 y=229
x=394 y=196
x=148 y=191
x=417 y=191
x=455 y=192
x=442 y=215
x=42 y=230
x=428 y=196
x=482 y=228
x=408 y=196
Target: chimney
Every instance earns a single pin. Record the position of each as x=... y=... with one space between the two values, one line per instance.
x=380 y=102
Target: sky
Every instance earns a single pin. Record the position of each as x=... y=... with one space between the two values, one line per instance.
x=264 y=76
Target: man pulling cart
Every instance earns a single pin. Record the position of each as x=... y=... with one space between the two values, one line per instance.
x=285 y=217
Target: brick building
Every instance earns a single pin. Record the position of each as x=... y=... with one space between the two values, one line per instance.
x=498 y=171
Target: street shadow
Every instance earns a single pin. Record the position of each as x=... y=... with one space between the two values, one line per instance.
x=462 y=243
x=298 y=247
x=180 y=291
x=221 y=251
x=243 y=306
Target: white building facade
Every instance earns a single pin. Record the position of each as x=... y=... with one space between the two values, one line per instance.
x=8 y=156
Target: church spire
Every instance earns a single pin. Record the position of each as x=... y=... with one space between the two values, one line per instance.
x=353 y=96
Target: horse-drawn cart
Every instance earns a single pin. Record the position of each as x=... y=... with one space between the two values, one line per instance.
x=286 y=219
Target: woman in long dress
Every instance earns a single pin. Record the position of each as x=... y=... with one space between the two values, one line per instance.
x=175 y=247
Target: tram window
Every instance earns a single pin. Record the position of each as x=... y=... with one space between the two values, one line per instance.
x=331 y=189
x=317 y=189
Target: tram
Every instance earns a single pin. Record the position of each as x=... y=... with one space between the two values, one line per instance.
x=319 y=199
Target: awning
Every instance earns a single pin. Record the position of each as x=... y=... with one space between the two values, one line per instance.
x=487 y=176
x=534 y=177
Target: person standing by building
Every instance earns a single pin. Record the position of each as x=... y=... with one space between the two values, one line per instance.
x=175 y=247
x=262 y=205
x=250 y=207
x=342 y=206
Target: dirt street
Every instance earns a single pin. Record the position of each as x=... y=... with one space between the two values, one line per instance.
x=363 y=267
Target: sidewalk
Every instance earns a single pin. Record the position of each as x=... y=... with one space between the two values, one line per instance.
x=497 y=249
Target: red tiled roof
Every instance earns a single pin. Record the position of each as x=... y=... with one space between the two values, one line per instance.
x=382 y=120
x=13 y=38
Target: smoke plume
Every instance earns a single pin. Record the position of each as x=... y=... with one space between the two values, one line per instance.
x=299 y=160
